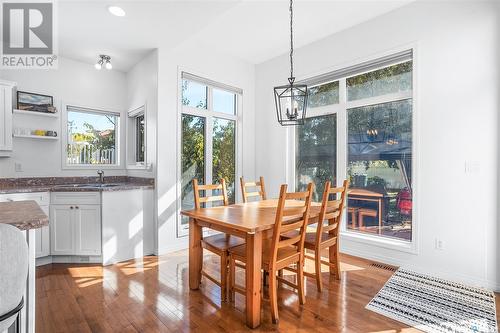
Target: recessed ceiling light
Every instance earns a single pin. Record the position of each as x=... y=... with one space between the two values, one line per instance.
x=117 y=11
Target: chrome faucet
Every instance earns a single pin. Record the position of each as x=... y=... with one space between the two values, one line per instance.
x=101 y=176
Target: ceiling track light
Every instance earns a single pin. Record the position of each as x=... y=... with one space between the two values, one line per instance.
x=104 y=60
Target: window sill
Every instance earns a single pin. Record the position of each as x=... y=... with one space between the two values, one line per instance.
x=388 y=243
x=146 y=167
x=92 y=167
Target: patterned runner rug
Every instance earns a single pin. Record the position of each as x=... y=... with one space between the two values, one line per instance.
x=435 y=305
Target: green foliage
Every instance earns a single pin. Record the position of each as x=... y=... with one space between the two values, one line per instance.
x=224 y=154
x=325 y=94
x=316 y=153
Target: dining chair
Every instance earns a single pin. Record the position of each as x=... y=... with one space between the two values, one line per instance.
x=326 y=235
x=218 y=244
x=259 y=192
x=277 y=252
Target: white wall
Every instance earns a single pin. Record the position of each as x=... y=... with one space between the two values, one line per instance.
x=73 y=83
x=209 y=64
x=142 y=89
x=457 y=100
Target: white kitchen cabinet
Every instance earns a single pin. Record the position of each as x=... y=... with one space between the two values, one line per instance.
x=42 y=238
x=42 y=235
x=62 y=229
x=87 y=230
x=6 y=100
x=75 y=225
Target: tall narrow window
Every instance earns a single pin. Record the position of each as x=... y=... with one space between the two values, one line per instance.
x=140 y=147
x=316 y=153
x=208 y=138
x=380 y=153
x=372 y=106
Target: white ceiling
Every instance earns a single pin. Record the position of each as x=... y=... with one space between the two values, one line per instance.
x=252 y=30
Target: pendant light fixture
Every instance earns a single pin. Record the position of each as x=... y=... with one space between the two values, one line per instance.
x=104 y=60
x=291 y=99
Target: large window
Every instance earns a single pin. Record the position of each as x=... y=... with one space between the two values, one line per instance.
x=369 y=110
x=208 y=138
x=92 y=137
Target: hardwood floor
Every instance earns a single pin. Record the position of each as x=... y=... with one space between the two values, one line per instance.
x=152 y=295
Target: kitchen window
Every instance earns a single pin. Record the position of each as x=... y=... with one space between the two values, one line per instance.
x=91 y=137
x=360 y=127
x=136 y=138
x=209 y=127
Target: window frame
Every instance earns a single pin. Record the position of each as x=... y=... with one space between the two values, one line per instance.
x=132 y=116
x=342 y=154
x=209 y=114
x=64 y=138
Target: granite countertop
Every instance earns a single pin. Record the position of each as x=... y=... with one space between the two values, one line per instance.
x=24 y=215
x=73 y=184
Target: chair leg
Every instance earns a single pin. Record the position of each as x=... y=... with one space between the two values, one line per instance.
x=273 y=296
x=300 y=281
x=18 y=322
x=264 y=278
x=232 y=279
x=317 y=268
x=333 y=254
x=223 y=277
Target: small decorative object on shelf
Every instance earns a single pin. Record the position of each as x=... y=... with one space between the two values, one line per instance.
x=35 y=102
x=37 y=133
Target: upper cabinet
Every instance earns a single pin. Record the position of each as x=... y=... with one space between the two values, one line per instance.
x=6 y=100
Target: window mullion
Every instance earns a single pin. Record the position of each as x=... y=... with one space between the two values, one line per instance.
x=341 y=171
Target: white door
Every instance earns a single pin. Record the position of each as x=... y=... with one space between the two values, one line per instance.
x=87 y=230
x=62 y=230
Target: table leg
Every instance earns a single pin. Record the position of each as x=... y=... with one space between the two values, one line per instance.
x=253 y=276
x=195 y=254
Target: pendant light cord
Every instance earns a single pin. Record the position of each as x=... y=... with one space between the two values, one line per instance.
x=291 y=38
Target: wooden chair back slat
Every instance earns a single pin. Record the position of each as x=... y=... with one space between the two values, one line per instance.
x=330 y=227
x=210 y=187
x=289 y=241
x=292 y=226
x=222 y=197
x=331 y=210
x=212 y=198
x=286 y=222
x=295 y=211
x=260 y=192
x=332 y=215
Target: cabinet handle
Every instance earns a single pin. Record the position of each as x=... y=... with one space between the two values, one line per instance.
x=77 y=207
x=71 y=207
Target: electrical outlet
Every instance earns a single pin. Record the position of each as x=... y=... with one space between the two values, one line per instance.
x=18 y=167
x=439 y=244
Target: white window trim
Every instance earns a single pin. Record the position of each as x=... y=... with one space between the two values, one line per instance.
x=64 y=139
x=207 y=113
x=132 y=137
x=341 y=110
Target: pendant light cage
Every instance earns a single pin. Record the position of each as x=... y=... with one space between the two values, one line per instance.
x=291 y=102
x=291 y=99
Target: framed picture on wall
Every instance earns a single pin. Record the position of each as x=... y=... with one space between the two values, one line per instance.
x=35 y=102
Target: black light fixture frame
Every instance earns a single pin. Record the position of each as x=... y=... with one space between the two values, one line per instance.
x=292 y=92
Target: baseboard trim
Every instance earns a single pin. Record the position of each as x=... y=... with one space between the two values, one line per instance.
x=452 y=276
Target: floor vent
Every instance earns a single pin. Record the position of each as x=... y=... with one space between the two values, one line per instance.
x=384 y=266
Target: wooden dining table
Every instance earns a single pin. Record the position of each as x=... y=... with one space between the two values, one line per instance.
x=253 y=221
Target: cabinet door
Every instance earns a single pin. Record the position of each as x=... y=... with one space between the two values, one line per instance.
x=88 y=230
x=42 y=242
x=62 y=230
x=5 y=118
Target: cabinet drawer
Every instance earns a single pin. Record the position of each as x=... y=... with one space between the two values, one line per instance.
x=41 y=198
x=75 y=198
